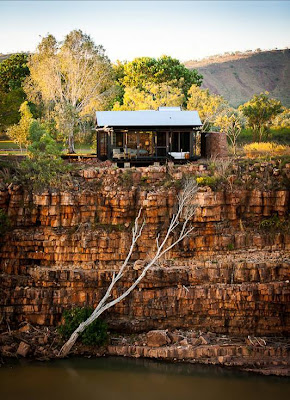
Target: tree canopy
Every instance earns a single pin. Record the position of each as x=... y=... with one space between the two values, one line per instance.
x=9 y=107
x=151 y=97
x=71 y=79
x=164 y=70
x=13 y=71
x=209 y=106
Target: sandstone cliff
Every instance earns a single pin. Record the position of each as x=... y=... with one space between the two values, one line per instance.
x=229 y=276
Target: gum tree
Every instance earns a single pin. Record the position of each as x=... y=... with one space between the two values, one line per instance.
x=71 y=79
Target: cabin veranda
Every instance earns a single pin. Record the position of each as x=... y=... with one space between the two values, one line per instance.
x=149 y=136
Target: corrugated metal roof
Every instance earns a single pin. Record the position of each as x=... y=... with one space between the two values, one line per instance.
x=148 y=118
x=169 y=108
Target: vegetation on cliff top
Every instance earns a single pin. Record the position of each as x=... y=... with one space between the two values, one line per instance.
x=67 y=81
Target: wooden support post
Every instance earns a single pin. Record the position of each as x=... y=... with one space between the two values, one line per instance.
x=191 y=143
x=138 y=143
x=98 y=145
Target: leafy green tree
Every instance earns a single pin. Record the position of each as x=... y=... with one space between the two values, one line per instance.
x=71 y=78
x=9 y=107
x=260 y=111
x=209 y=106
x=151 y=97
x=13 y=71
x=19 y=132
x=164 y=70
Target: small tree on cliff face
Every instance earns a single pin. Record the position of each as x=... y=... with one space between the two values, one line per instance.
x=71 y=79
x=178 y=229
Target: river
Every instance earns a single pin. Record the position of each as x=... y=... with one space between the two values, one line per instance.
x=133 y=379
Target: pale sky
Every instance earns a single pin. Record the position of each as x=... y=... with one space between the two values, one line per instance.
x=128 y=29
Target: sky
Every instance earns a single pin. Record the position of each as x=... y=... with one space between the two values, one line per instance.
x=187 y=30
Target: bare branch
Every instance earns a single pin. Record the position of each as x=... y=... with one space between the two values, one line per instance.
x=185 y=210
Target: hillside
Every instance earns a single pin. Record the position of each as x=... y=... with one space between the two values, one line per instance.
x=4 y=56
x=238 y=76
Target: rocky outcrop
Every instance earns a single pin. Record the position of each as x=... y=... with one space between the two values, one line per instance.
x=229 y=276
x=266 y=355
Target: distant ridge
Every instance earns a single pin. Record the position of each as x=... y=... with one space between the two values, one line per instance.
x=238 y=76
x=4 y=56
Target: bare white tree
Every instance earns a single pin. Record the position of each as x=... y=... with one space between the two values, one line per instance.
x=185 y=210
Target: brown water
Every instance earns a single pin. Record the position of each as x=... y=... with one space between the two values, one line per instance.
x=129 y=379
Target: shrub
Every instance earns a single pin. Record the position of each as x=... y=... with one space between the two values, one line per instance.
x=275 y=224
x=211 y=181
x=94 y=335
x=44 y=165
x=253 y=150
x=126 y=178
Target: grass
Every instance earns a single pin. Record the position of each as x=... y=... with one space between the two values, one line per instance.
x=9 y=147
x=281 y=136
x=8 y=144
x=84 y=148
x=253 y=150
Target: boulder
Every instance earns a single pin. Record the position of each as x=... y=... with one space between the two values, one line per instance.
x=183 y=342
x=204 y=339
x=175 y=337
x=25 y=328
x=157 y=338
x=23 y=349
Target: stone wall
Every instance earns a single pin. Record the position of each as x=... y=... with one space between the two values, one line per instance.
x=229 y=276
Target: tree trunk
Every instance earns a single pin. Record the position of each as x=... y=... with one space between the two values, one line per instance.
x=71 y=143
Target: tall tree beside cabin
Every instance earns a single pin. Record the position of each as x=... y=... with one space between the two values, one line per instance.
x=71 y=79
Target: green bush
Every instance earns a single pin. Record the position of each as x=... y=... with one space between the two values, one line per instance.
x=44 y=166
x=94 y=335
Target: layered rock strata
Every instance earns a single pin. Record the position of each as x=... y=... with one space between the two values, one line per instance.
x=229 y=276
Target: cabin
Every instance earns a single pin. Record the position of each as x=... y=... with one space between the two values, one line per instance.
x=148 y=136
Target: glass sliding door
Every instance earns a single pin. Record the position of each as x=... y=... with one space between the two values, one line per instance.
x=161 y=143
x=180 y=142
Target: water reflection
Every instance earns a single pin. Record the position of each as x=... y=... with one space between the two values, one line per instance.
x=134 y=379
